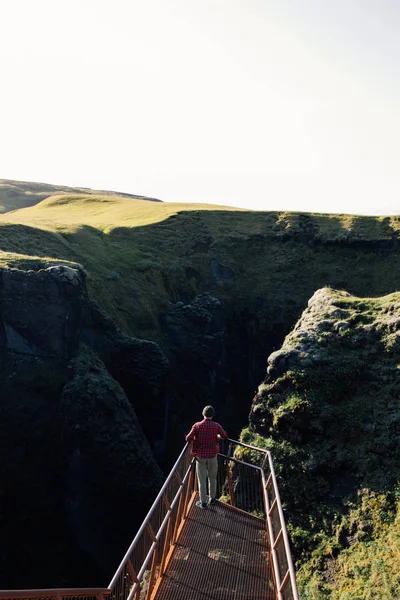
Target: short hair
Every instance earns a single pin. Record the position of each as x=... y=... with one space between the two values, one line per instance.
x=208 y=411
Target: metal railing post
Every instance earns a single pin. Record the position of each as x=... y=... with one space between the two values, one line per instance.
x=229 y=478
x=178 y=516
x=283 y=528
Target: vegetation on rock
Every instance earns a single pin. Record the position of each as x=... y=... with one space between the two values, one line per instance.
x=329 y=410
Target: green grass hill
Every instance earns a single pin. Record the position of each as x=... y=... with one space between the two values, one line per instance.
x=20 y=194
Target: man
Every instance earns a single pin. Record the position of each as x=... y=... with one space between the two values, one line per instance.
x=205 y=435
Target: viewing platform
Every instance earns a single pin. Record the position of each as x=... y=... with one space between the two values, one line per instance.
x=220 y=553
x=236 y=549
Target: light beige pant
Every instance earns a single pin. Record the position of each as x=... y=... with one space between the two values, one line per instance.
x=207 y=467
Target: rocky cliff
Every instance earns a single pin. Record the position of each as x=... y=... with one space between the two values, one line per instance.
x=77 y=472
x=150 y=265
x=329 y=409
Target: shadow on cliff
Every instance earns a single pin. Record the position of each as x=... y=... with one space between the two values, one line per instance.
x=77 y=473
x=218 y=291
x=261 y=267
x=31 y=241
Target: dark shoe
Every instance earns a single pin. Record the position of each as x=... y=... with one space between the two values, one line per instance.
x=213 y=501
x=201 y=504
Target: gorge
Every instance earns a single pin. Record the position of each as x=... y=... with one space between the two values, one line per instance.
x=121 y=317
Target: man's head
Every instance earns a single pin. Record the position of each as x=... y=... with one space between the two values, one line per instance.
x=208 y=412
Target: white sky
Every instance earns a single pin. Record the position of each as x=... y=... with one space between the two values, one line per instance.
x=265 y=104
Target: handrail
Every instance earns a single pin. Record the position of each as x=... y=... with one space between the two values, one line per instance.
x=283 y=529
x=142 y=527
x=241 y=462
x=135 y=579
x=238 y=443
x=56 y=593
x=280 y=540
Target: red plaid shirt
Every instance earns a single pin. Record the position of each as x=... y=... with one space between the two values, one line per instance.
x=205 y=441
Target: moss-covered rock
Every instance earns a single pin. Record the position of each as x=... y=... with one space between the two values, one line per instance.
x=329 y=410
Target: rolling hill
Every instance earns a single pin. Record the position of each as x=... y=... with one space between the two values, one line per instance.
x=21 y=194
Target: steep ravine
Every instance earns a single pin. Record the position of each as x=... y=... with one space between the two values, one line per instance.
x=328 y=409
x=160 y=318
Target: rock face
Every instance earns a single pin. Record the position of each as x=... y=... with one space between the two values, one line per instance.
x=329 y=411
x=111 y=475
x=222 y=275
x=196 y=334
x=138 y=365
x=213 y=352
x=332 y=385
x=72 y=452
x=41 y=312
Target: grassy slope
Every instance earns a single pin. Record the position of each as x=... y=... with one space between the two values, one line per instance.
x=141 y=255
x=105 y=212
x=107 y=235
x=21 y=194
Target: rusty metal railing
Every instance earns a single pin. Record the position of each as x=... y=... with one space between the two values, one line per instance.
x=57 y=594
x=144 y=563
x=259 y=494
x=246 y=481
x=145 y=559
